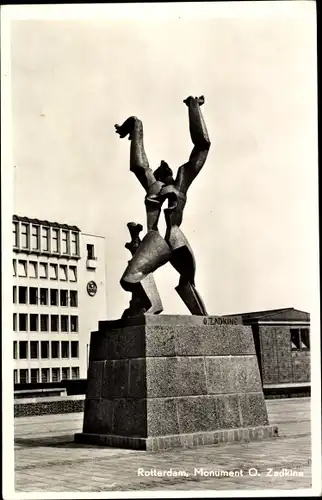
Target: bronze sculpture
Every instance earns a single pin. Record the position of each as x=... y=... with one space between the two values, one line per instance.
x=154 y=251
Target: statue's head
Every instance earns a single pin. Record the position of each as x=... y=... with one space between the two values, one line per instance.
x=164 y=173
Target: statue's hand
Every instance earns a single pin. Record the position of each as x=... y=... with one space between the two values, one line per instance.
x=126 y=128
x=200 y=100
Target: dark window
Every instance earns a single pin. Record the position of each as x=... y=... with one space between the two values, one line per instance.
x=23 y=349
x=22 y=322
x=54 y=322
x=24 y=235
x=72 y=273
x=63 y=272
x=45 y=239
x=32 y=269
x=305 y=338
x=24 y=379
x=75 y=372
x=64 y=242
x=33 y=295
x=54 y=240
x=43 y=296
x=14 y=322
x=22 y=268
x=65 y=349
x=53 y=297
x=73 y=298
x=45 y=375
x=74 y=349
x=22 y=295
x=43 y=270
x=14 y=270
x=15 y=376
x=64 y=323
x=74 y=243
x=53 y=271
x=44 y=322
x=63 y=297
x=34 y=237
x=14 y=294
x=65 y=373
x=90 y=252
x=55 y=375
x=54 y=349
x=15 y=233
x=34 y=375
x=33 y=318
x=74 y=323
x=15 y=349
x=34 y=349
x=44 y=348
x=300 y=339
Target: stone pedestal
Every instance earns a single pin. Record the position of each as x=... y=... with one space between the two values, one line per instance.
x=158 y=382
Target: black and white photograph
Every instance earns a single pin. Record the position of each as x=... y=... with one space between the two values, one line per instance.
x=160 y=250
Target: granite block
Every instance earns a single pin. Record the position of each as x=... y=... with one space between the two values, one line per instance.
x=103 y=345
x=95 y=379
x=98 y=416
x=131 y=343
x=221 y=379
x=160 y=340
x=201 y=340
x=115 y=379
x=227 y=412
x=196 y=414
x=179 y=376
x=232 y=374
x=253 y=409
x=162 y=417
x=137 y=378
x=241 y=340
x=246 y=373
x=130 y=417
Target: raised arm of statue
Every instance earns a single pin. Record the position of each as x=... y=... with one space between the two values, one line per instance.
x=139 y=164
x=199 y=136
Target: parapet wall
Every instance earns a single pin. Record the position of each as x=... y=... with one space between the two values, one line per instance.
x=48 y=406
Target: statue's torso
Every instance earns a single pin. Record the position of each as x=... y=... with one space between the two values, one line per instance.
x=157 y=194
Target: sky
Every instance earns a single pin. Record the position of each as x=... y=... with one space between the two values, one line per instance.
x=251 y=214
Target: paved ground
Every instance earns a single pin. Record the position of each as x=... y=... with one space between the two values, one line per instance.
x=46 y=459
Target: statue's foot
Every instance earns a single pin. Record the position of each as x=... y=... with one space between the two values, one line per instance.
x=200 y=100
x=126 y=128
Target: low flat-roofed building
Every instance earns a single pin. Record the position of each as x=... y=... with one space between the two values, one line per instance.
x=282 y=342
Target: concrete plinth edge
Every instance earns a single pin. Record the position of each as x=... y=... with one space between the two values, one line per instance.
x=159 y=443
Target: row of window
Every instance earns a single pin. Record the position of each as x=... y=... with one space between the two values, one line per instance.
x=45 y=296
x=56 y=322
x=33 y=269
x=48 y=350
x=25 y=376
x=300 y=339
x=34 y=237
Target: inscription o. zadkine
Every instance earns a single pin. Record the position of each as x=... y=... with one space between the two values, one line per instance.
x=217 y=320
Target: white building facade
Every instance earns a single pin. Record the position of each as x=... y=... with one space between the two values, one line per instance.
x=59 y=295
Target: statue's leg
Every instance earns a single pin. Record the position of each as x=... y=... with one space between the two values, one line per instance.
x=152 y=253
x=182 y=259
x=147 y=296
